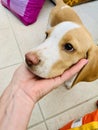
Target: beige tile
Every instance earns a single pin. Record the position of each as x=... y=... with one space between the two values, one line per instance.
x=9 y=51
x=38 y=127
x=61 y=99
x=32 y=35
x=4 y=23
x=75 y=113
x=5 y=77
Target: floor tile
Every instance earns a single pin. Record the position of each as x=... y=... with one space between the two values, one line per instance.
x=32 y=35
x=9 y=51
x=4 y=23
x=39 y=127
x=36 y=116
x=61 y=99
x=75 y=113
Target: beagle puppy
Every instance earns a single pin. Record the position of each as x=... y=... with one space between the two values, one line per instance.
x=67 y=41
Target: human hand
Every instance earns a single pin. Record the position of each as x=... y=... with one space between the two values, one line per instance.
x=35 y=87
x=24 y=90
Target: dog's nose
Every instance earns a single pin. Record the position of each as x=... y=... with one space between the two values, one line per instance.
x=31 y=59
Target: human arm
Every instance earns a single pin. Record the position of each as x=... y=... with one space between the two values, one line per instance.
x=24 y=90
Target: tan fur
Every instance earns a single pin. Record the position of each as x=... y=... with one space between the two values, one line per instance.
x=57 y=68
x=78 y=37
x=90 y=71
x=59 y=15
x=89 y=49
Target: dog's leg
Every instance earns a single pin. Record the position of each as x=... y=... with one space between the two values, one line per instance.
x=62 y=12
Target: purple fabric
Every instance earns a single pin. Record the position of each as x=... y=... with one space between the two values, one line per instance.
x=8 y=1
x=26 y=10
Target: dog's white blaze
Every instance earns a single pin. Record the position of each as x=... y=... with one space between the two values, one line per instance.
x=49 y=50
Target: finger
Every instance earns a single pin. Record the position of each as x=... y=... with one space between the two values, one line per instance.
x=47 y=85
x=73 y=70
x=70 y=72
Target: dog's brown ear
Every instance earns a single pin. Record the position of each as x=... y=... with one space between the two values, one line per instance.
x=90 y=71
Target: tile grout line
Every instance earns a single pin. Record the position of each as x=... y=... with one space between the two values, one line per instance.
x=44 y=120
x=31 y=126
x=10 y=65
x=70 y=108
x=15 y=37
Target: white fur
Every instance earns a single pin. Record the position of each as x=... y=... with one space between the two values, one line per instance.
x=48 y=51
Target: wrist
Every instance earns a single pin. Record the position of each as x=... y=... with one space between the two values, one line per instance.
x=16 y=111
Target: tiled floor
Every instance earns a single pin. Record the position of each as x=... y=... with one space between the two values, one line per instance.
x=61 y=105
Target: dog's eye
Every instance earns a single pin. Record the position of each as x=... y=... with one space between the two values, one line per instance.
x=68 y=47
x=46 y=35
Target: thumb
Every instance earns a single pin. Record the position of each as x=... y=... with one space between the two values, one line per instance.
x=70 y=72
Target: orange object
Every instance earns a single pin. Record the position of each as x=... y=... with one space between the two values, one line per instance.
x=75 y=2
x=88 y=122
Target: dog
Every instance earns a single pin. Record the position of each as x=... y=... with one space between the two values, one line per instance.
x=67 y=41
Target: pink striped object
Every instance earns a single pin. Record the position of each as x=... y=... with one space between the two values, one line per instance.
x=26 y=10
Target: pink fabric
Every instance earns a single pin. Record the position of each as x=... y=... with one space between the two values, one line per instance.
x=8 y=1
x=26 y=10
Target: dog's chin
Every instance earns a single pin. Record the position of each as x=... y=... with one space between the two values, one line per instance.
x=37 y=73
x=42 y=75
x=47 y=76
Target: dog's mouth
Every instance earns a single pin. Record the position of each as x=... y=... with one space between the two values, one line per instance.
x=41 y=73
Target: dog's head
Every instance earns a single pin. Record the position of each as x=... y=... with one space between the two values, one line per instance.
x=65 y=45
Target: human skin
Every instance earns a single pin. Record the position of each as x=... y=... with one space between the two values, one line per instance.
x=22 y=93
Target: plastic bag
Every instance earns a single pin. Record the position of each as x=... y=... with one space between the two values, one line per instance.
x=88 y=122
x=26 y=10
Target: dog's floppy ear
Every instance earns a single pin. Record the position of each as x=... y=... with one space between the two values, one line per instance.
x=90 y=71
